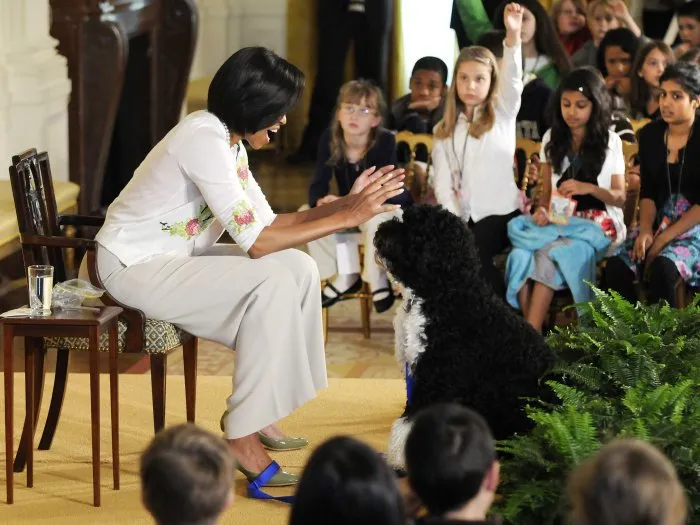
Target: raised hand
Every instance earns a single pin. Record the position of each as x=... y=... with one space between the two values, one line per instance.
x=513 y=20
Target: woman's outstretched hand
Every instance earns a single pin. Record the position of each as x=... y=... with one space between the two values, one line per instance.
x=382 y=185
x=367 y=176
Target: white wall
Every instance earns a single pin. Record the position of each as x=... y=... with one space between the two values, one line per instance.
x=34 y=86
x=427 y=32
x=228 y=25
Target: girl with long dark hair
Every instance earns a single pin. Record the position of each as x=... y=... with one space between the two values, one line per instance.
x=666 y=249
x=583 y=161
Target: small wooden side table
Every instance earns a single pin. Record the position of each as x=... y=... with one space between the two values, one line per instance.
x=88 y=323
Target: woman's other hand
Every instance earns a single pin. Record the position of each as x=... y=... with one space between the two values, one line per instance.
x=371 y=200
x=367 y=176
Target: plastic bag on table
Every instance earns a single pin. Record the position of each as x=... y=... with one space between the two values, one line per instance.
x=72 y=294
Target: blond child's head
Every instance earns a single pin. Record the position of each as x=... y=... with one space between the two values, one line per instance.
x=626 y=483
x=474 y=86
x=186 y=476
x=601 y=18
x=358 y=114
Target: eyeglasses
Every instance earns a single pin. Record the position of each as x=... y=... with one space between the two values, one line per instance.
x=361 y=111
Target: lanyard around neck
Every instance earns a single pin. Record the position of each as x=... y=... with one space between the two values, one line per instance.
x=680 y=173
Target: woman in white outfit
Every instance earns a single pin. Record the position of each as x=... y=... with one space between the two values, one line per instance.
x=157 y=250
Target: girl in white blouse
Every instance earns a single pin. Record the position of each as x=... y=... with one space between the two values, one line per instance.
x=473 y=158
x=157 y=251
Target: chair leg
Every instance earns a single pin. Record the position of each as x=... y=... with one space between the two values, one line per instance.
x=114 y=399
x=365 y=311
x=324 y=313
x=189 y=356
x=59 y=392
x=39 y=377
x=158 y=378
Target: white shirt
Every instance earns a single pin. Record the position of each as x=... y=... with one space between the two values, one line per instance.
x=614 y=164
x=190 y=187
x=486 y=164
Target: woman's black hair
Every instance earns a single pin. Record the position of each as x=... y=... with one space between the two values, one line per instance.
x=345 y=482
x=687 y=74
x=640 y=92
x=587 y=81
x=253 y=89
x=547 y=39
x=620 y=37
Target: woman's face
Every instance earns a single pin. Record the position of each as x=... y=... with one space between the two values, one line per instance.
x=576 y=109
x=529 y=26
x=602 y=21
x=675 y=104
x=689 y=30
x=653 y=67
x=570 y=20
x=618 y=62
x=358 y=118
x=261 y=138
x=473 y=82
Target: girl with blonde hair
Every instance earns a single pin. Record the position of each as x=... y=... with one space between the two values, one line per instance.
x=354 y=142
x=473 y=156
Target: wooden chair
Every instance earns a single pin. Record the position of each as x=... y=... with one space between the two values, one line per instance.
x=531 y=149
x=416 y=176
x=43 y=242
x=639 y=124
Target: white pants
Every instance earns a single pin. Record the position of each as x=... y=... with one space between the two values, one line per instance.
x=339 y=253
x=267 y=309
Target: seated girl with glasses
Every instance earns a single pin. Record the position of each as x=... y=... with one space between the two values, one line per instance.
x=352 y=144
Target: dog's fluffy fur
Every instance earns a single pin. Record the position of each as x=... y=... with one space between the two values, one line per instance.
x=462 y=343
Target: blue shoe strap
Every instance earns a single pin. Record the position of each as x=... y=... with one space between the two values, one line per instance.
x=255 y=487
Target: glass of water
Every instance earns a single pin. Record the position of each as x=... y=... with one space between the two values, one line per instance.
x=40 y=289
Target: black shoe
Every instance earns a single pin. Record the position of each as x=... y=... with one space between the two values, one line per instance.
x=327 y=302
x=382 y=305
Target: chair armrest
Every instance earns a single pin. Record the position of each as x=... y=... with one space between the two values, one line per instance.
x=81 y=220
x=135 y=319
x=57 y=242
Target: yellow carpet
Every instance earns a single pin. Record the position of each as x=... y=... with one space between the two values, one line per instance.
x=62 y=490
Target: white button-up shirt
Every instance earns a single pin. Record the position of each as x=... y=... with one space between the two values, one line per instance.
x=488 y=182
x=190 y=187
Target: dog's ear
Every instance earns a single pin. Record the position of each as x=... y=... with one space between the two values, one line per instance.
x=390 y=242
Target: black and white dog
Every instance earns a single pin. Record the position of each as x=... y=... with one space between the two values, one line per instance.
x=457 y=340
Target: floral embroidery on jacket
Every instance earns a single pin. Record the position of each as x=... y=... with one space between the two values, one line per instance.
x=192 y=227
x=242 y=168
x=242 y=217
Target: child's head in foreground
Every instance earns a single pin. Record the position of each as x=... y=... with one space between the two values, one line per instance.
x=186 y=476
x=451 y=459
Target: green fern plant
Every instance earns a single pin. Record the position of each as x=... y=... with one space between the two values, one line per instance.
x=625 y=371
